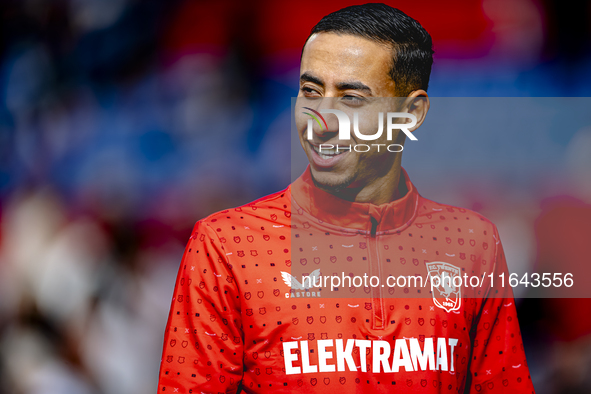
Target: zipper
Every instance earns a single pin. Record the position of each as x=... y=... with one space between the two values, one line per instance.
x=378 y=318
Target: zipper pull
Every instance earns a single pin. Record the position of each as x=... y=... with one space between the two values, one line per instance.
x=374 y=226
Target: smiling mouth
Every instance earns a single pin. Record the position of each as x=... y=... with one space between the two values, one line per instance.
x=327 y=153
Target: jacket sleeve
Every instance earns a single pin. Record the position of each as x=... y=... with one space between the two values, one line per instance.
x=203 y=341
x=498 y=362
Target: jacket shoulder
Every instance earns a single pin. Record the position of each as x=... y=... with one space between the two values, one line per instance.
x=262 y=208
x=428 y=209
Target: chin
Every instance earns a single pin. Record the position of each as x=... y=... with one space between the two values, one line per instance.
x=330 y=181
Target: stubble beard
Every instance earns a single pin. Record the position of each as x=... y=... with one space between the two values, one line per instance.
x=335 y=187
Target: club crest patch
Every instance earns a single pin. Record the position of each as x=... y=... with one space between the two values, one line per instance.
x=446 y=295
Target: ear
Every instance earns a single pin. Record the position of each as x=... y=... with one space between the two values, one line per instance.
x=417 y=103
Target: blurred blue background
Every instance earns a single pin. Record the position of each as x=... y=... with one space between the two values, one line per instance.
x=122 y=122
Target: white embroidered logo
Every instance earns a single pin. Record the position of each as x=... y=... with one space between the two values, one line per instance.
x=446 y=295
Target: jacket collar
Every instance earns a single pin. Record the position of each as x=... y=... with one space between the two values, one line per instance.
x=389 y=217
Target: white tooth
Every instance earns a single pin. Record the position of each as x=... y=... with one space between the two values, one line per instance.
x=327 y=153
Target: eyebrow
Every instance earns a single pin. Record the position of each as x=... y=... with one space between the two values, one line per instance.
x=349 y=85
x=354 y=85
x=307 y=77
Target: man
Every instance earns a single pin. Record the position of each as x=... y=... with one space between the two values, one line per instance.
x=241 y=318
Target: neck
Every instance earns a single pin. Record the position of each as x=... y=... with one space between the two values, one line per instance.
x=379 y=190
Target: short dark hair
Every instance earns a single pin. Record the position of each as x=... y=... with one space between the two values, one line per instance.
x=411 y=44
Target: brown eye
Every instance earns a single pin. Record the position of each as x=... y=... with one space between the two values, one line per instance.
x=353 y=100
x=309 y=92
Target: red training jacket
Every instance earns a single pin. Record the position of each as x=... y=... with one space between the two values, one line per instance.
x=243 y=317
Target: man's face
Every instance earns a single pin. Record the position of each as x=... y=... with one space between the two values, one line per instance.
x=350 y=74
